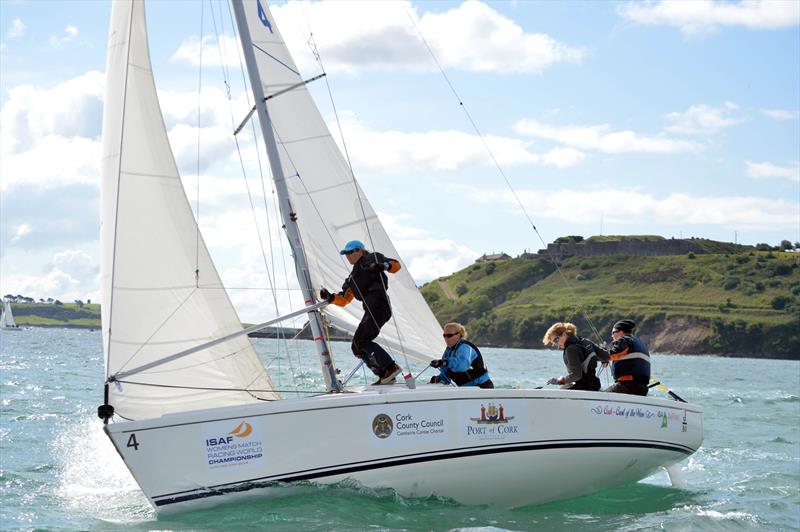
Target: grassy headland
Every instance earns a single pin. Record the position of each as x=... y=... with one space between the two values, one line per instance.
x=736 y=302
x=51 y=315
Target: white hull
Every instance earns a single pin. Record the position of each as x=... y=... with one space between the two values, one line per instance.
x=551 y=445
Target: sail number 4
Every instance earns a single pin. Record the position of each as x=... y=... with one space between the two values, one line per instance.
x=133 y=443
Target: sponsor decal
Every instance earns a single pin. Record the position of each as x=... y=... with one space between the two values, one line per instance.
x=262 y=16
x=494 y=422
x=664 y=418
x=232 y=445
x=492 y=415
x=408 y=424
x=382 y=426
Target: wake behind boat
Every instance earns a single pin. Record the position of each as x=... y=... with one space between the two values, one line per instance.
x=188 y=403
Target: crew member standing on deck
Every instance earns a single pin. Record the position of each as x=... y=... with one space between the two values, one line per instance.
x=368 y=283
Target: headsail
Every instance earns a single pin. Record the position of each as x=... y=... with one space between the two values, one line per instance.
x=331 y=208
x=161 y=293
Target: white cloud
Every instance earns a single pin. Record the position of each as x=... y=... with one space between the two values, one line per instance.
x=767 y=170
x=426 y=257
x=73 y=274
x=601 y=138
x=704 y=16
x=353 y=36
x=636 y=208
x=17 y=29
x=70 y=33
x=392 y=152
x=54 y=161
x=703 y=119
x=21 y=232
x=780 y=114
x=73 y=108
x=74 y=262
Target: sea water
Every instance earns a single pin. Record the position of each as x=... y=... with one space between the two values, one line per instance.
x=59 y=471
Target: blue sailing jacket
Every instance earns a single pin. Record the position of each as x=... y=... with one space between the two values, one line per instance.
x=460 y=359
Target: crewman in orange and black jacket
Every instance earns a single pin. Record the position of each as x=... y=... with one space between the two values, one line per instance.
x=368 y=283
x=630 y=360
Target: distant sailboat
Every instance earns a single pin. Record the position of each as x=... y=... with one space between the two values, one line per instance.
x=191 y=408
x=7 y=322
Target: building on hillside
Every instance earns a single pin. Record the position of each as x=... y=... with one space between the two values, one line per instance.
x=494 y=256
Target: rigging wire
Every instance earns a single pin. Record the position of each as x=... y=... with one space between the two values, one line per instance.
x=318 y=57
x=269 y=273
x=275 y=205
x=199 y=131
x=499 y=168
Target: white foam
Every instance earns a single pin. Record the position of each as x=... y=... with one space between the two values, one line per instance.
x=93 y=479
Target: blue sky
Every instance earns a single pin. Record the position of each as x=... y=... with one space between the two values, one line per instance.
x=670 y=118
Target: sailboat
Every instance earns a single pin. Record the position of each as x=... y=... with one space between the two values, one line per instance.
x=7 y=322
x=191 y=408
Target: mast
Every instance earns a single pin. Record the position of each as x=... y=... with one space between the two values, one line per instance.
x=287 y=213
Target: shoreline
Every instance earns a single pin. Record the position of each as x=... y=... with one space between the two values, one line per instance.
x=344 y=337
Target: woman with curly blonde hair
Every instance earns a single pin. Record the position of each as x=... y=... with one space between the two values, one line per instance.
x=580 y=357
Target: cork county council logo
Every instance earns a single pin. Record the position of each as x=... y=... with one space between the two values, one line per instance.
x=382 y=426
x=492 y=415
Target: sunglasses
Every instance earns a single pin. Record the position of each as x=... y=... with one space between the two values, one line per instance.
x=450 y=335
x=555 y=340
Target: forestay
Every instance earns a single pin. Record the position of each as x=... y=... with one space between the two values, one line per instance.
x=161 y=293
x=331 y=208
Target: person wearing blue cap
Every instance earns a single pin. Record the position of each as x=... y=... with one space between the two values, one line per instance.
x=368 y=283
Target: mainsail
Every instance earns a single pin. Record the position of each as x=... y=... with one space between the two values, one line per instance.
x=329 y=205
x=161 y=293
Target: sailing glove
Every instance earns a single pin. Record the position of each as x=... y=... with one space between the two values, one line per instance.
x=438 y=363
x=380 y=266
x=556 y=380
x=326 y=296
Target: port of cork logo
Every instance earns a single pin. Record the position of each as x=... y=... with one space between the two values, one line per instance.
x=493 y=423
x=492 y=415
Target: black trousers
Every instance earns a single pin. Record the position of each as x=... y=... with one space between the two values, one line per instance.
x=590 y=383
x=376 y=313
x=629 y=387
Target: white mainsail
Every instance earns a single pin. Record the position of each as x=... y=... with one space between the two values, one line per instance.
x=331 y=208
x=7 y=318
x=161 y=293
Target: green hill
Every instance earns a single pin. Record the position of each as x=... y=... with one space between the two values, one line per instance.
x=66 y=315
x=734 y=303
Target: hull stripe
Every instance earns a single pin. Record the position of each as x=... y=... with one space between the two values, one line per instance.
x=222 y=489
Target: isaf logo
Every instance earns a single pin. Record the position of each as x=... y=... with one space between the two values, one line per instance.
x=243 y=430
x=382 y=426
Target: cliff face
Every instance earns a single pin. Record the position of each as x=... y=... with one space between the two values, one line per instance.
x=680 y=335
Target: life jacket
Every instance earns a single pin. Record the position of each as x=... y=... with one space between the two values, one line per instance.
x=589 y=380
x=631 y=363
x=476 y=369
x=364 y=280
